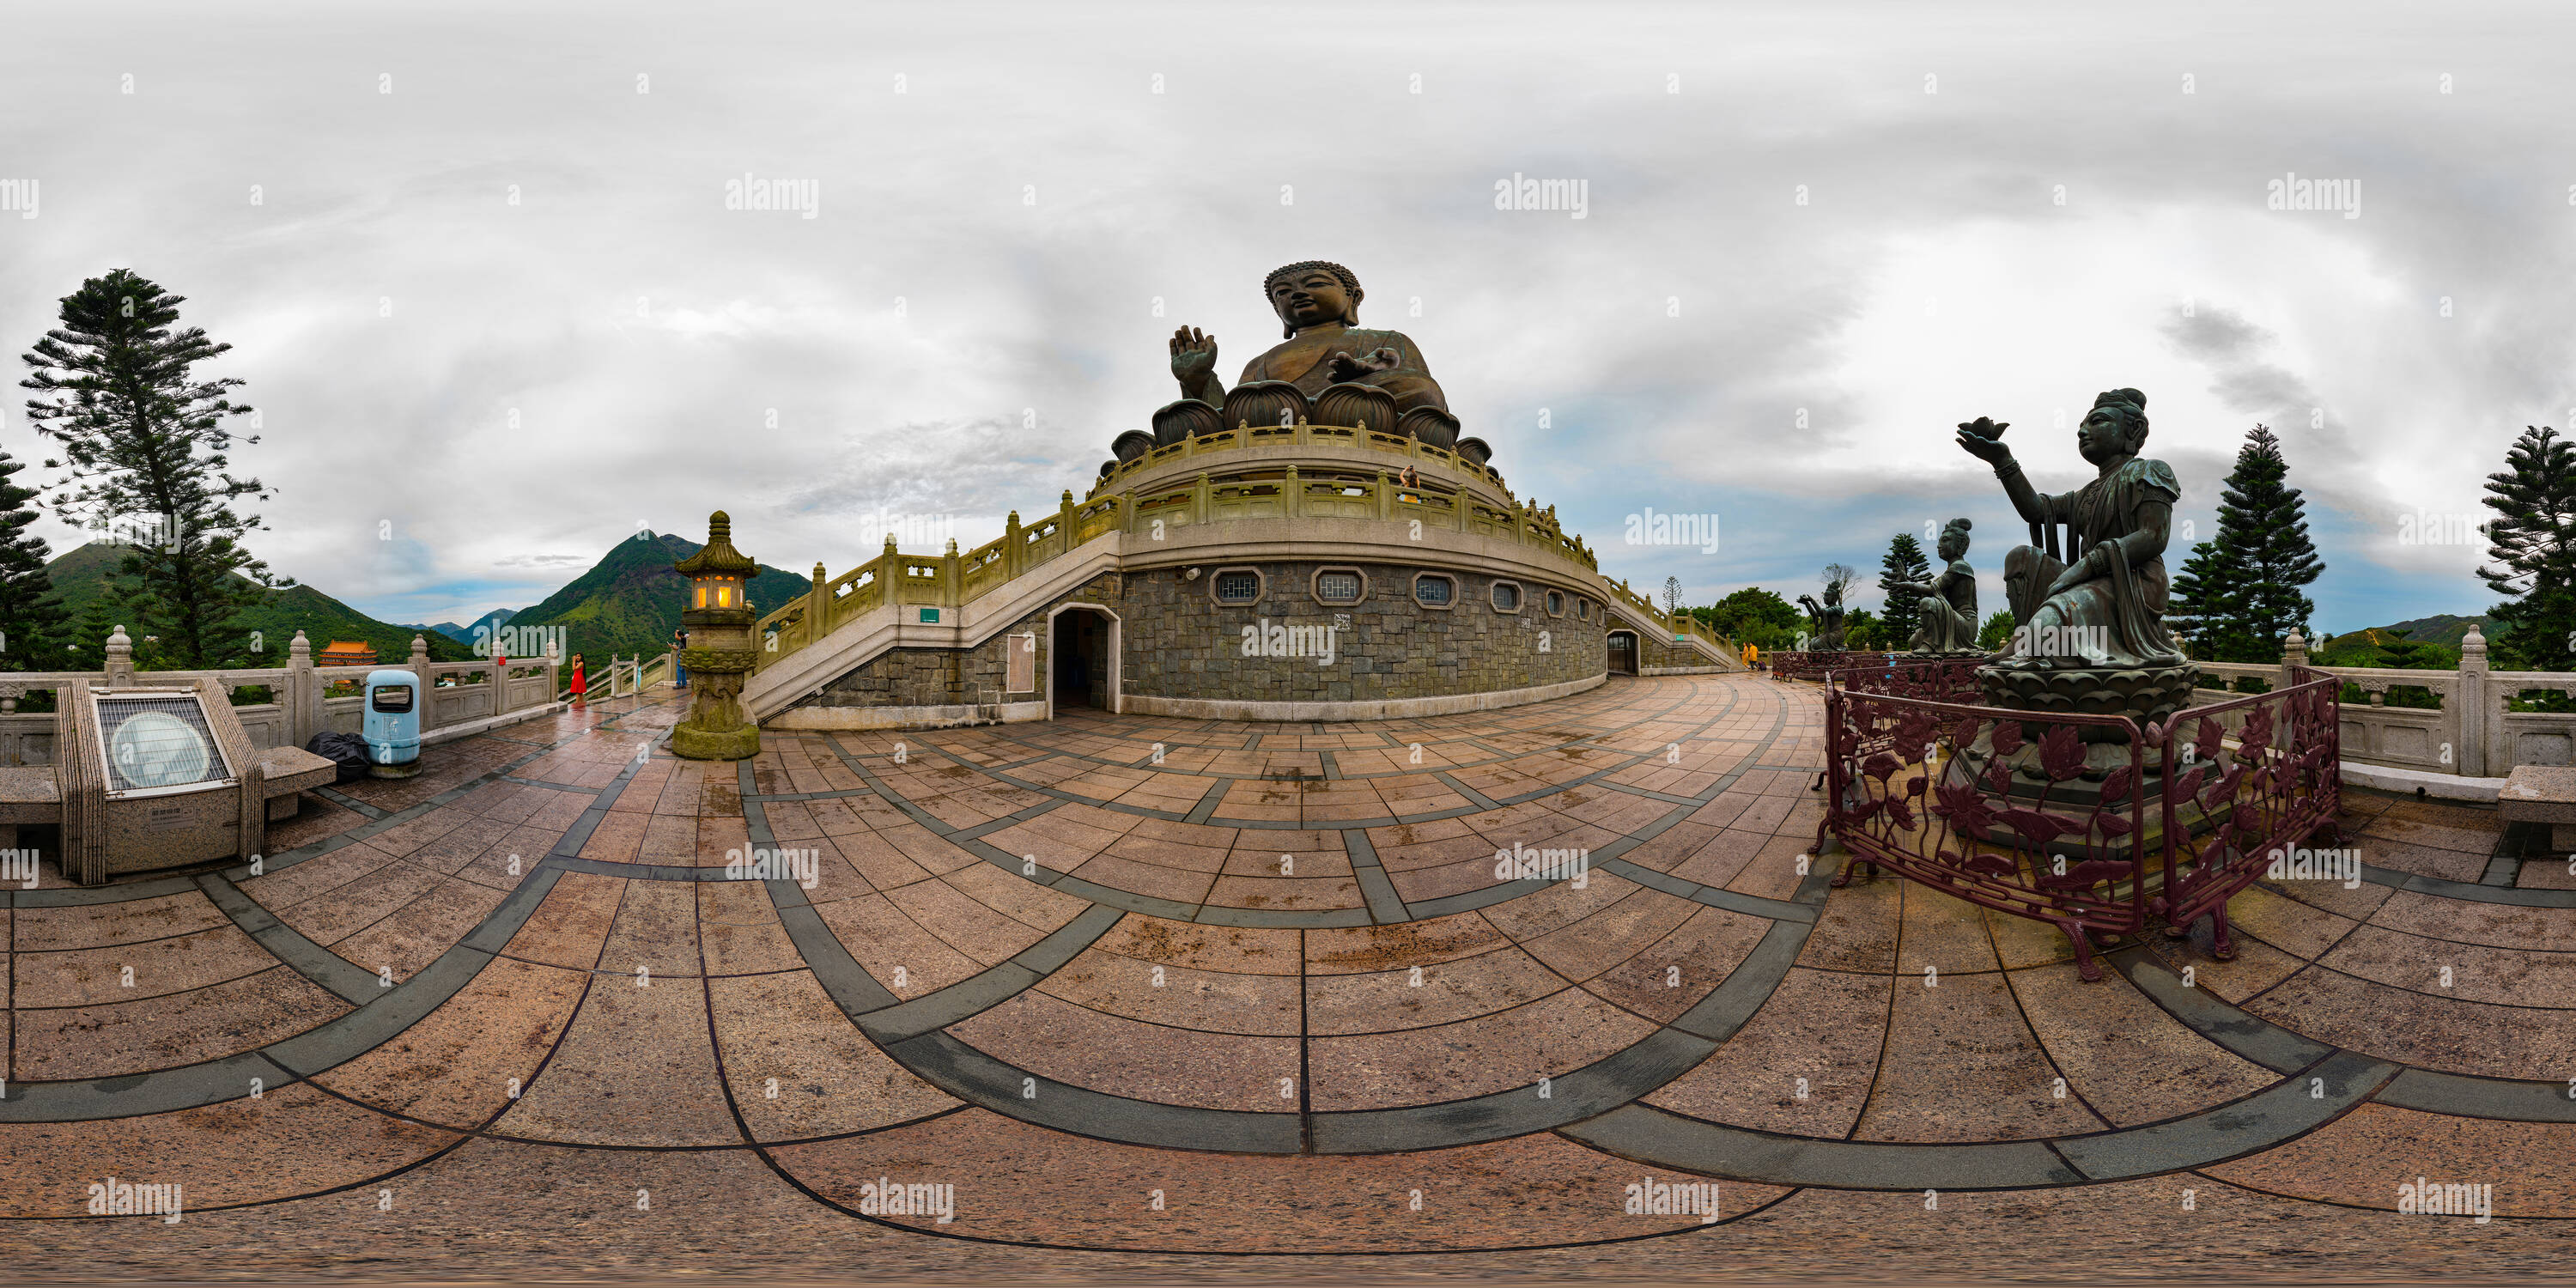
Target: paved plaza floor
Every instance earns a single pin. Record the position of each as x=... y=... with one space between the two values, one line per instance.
x=1139 y=997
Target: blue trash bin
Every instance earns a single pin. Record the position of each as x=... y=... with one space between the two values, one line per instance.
x=392 y=724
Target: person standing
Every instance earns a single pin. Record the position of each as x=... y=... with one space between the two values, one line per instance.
x=578 y=685
x=679 y=645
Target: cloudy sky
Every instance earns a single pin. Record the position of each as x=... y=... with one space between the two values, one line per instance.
x=479 y=274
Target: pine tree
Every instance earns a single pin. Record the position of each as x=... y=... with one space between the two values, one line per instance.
x=32 y=621
x=1904 y=564
x=2533 y=542
x=131 y=418
x=2238 y=594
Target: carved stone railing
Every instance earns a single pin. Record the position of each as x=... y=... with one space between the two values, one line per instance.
x=301 y=696
x=1300 y=434
x=1255 y=490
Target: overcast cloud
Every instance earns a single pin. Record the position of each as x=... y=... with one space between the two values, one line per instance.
x=499 y=317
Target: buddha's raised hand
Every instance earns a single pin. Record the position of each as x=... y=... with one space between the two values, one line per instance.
x=1984 y=439
x=1193 y=355
x=1346 y=367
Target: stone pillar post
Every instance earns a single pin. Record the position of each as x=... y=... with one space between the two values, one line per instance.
x=1127 y=510
x=2294 y=652
x=120 y=659
x=1291 y=491
x=419 y=666
x=952 y=577
x=1385 y=498
x=1067 y=524
x=1014 y=547
x=1199 y=499
x=303 y=695
x=818 y=607
x=2477 y=716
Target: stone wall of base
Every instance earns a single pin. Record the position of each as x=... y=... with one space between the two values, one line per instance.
x=927 y=717
x=1380 y=709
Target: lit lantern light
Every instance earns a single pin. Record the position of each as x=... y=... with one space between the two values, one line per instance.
x=720 y=621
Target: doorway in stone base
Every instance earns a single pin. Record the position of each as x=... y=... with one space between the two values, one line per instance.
x=1082 y=668
x=1623 y=652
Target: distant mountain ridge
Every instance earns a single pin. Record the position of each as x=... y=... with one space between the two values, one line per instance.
x=81 y=573
x=630 y=601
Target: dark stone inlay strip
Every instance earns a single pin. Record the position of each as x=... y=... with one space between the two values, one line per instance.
x=2468 y=891
x=2289 y=1108
x=1384 y=905
x=1481 y=800
x=348 y=802
x=2261 y=1041
x=351 y=983
x=972 y=1076
x=1589 y=1092
x=1654 y=1136
x=989 y=988
x=2463 y=1096
x=552 y=787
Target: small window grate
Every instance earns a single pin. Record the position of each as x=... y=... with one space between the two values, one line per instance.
x=1238 y=587
x=1432 y=590
x=1507 y=597
x=1338 y=587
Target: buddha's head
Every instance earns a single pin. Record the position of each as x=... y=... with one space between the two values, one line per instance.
x=1312 y=293
x=1954 y=541
x=2115 y=428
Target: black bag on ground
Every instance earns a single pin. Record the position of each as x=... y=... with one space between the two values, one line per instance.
x=348 y=750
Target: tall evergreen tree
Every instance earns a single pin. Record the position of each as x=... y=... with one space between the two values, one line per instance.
x=144 y=440
x=2238 y=595
x=1903 y=564
x=2533 y=542
x=32 y=620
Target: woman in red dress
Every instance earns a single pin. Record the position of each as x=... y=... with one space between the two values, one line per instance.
x=578 y=687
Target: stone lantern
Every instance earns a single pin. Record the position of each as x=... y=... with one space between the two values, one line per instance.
x=719 y=620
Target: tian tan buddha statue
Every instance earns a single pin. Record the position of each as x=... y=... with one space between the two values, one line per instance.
x=2090 y=632
x=1319 y=309
x=1948 y=610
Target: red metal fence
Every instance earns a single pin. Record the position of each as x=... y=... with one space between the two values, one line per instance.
x=2087 y=822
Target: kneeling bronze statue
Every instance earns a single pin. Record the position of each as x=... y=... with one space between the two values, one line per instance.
x=2090 y=634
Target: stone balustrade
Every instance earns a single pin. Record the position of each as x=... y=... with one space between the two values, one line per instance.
x=302 y=699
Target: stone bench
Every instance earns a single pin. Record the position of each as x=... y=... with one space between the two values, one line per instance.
x=31 y=796
x=2542 y=794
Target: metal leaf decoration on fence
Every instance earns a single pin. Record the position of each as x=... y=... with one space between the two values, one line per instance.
x=2061 y=753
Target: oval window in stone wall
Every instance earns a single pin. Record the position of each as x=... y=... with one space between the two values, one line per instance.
x=1583 y=609
x=1556 y=603
x=1507 y=597
x=1338 y=586
x=1435 y=590
x=1237 y=586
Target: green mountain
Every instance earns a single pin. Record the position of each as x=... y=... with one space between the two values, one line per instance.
x=81 y=575
x=630 y=601
x=2443 y=629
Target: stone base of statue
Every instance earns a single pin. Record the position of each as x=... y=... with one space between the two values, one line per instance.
x=408 y=769
x=2142 y=693
x=691 y=743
